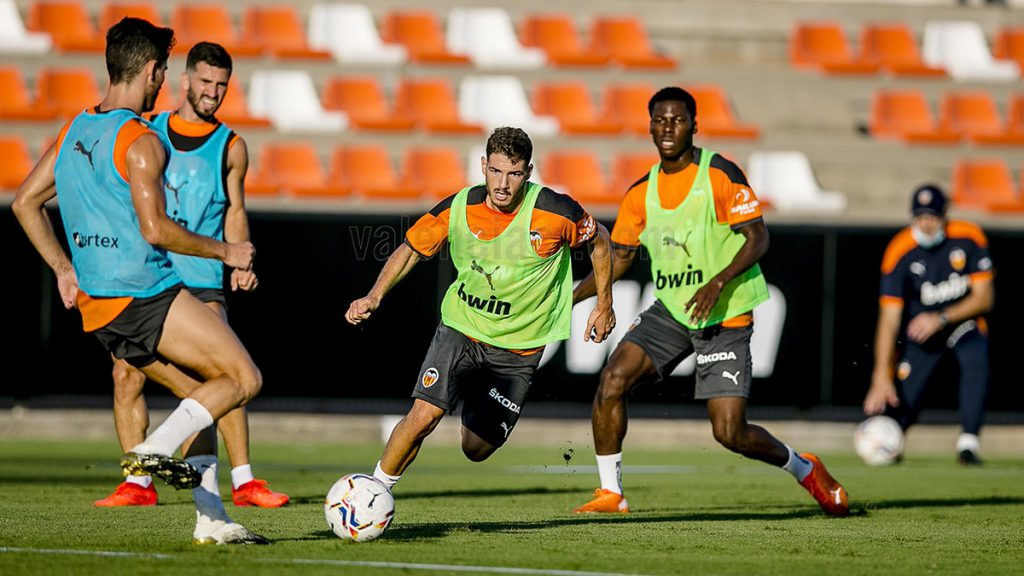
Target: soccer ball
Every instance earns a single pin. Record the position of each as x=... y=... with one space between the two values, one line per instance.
x=879 y=441
x=359 y=508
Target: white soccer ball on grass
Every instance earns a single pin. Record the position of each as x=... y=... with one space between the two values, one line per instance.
x=359 y=508
x=879 y=441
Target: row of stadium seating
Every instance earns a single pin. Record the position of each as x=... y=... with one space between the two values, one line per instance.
x=485 y=37
x=965 y=115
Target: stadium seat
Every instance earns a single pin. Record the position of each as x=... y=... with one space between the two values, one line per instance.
x=113 y=12
x=436 y=171
x=289 y=99
x=15 y=102
x=501 y=101
x=14 y=38
x=431 y=103
x=627 y=104
x=1010 y=45
x=570 y=102
x=906 y=115
x=362 y=99
x=625 y=40
x=368 y=172
x=234 y=111
x=68 y=90
x=557 y=35
x=68 y=24
x=1015 y=115
x=894 y=47
x=628 y=167
x=488 y=37
x=169 y=98
x=785 y=179
x=961 y=48
x=421 y=33
x=349 y=33
x=15 y=162
x=822 y=46
x=280 y=32
x=295 y=168
x=195 y=23
x=579 y=174
x=974 y=115
x=985 y=184
x=715 y=117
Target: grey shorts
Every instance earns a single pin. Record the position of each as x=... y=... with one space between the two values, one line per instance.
x=207 y=295
x=135 y=334
x=491 y=382
x=723 y=354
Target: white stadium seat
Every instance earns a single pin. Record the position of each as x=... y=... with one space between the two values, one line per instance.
x=501 y=101
x=786 y=181
x=488 y=37
x=349 y=33
x=289 y=99
x=960 y=47
x=13 y=36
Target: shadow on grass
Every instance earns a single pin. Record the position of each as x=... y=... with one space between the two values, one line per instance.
x=489 y=493
x=943 y=502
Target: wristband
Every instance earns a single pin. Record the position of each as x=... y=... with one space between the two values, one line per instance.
x=943 y=318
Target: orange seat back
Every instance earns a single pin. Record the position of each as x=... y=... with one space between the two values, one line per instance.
x=621 y=36
x=898 y=112
x=113 y=12
x=292 y=164
x=68 y=90
x=438 y=171
x=978 y=183
x=565 y=100
x=67 y=23
x=363 y=167
x=277 y=27
x=15 y=162
x=970 y=112
x=814 y=43
x=358 y=96
x=418 y=30
x=627 y=104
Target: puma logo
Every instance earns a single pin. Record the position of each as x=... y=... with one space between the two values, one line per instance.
x=80 y=148
x=478 y=268
x=175 y=189
x=505 y=427
x=734 y=377
x=670 y=241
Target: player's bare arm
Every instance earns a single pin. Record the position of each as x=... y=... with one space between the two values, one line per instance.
x=236 y=221
x=146 y=160
x=883 y=390
x=396 y=268
x=602 y=318
x=979 y=301
x=755 y=246
x=622 y=258
x=29 y=207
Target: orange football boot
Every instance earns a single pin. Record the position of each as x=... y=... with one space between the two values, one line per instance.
x=256 y=493
x=605 y=501
x=831 y=495
x=129 y=494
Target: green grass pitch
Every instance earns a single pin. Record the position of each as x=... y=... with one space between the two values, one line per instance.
x=694 y=512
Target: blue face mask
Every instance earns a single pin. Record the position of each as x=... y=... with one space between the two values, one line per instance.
x=928 y=240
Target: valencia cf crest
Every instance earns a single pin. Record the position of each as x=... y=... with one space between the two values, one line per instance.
x=430 y=376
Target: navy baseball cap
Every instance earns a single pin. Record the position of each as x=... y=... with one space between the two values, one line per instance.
x=928 y=199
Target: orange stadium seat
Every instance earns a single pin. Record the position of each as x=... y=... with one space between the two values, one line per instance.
x=628 y=167
x=421 y=33
x=295 y=168
x=906 y=115
x=714 y=114
x=67 y=90
x=627 y=104
x=369 y=172
x=170 y=97
x=15 y=102
x=69 y=25
x=113 y=12
x=571 y=104
x=258 y=184
x=986 y=184
x=579 y=174
x=194 y=23
x=893 y=46
x=431 y=103
x=625 y=40
x=1010 y=45
x=822 y=46
x=1015 y=114
x=557 y=35
x=363 y=99
x=974 y=115
x=436 y=171
x=15 y=162
x=280 y=30
x=234 y=111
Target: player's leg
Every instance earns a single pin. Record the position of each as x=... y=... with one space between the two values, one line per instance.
x=972 y=354
x=913 y=372
x=131 y=419
x=492 y=409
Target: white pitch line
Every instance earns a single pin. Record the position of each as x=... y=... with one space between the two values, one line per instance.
x=325 y=562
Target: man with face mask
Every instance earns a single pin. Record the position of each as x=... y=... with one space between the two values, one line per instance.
x=936 y=287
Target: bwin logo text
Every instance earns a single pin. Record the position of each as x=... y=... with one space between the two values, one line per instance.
x=490 y=305
x=689 y=278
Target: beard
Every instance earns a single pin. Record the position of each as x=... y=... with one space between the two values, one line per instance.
x=194 y=101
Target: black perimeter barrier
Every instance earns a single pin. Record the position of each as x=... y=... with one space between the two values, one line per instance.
x=311 y=266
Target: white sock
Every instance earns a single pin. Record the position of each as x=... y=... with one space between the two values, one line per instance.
x=387 y=479
x=241 y=475
x=609 y=468
x=210 y=512
x=968 y=442
x=143 y=481
x=187 y=419
x=797 y=466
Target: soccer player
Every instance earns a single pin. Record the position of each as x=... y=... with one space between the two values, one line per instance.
x=509 y=241
x=936 y=288
x=106 y=170
x=204 y=184
x=701 y=224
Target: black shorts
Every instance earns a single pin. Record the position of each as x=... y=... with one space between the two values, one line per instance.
x=724 y=364
x=207 y=295
x=492 y=403
x=135 y=334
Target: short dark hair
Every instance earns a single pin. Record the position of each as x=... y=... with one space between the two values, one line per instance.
x=673 y=94
x=511 y=142
x=213 y=54
x=131 y=43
